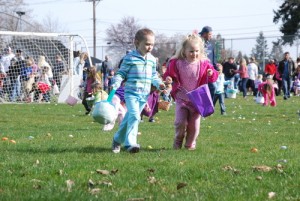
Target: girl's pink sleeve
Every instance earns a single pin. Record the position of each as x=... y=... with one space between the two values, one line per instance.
x=170 y=71
x=215 y=74
x=241 y=70
x=260 y=87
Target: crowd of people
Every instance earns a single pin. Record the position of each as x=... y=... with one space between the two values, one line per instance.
x=24 y=80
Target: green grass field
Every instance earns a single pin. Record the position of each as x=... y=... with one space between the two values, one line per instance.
x=61 y=154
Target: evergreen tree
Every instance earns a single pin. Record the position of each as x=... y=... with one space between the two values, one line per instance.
x=289 y=14
x=277 y=51
x=260 y=51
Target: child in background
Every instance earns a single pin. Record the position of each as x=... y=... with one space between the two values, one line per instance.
x=92 y=77
x=189 y=69
x=39 y=89
x=139 y=70
x=296 y=83
x=219 y=95
x=151 y=107
x=98 y=93
x=166 y=96
x=268 y=92
x=257 y=81
x=110 y=79
x=296 y=86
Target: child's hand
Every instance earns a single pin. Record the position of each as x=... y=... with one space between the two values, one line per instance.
x=147 y=108
x=210 y=72
x=162 y=86
x=168 y=80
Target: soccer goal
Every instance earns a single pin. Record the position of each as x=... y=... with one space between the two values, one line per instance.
x=38 y=67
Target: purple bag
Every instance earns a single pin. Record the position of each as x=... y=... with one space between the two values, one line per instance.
x=201 y=99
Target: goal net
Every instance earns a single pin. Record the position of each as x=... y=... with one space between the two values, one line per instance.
x=38 y=67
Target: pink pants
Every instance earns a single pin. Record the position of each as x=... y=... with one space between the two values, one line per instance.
x=187 y=125
x=269 y=98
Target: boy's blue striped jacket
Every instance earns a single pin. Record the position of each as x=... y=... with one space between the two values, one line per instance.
x=138 y=73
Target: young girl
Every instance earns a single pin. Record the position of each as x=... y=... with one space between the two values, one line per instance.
x=98 y=93
x=189 y=69
x=139 y=70
x=92 y=77
x=268 y=92
x=296 y=83
x=257 y=81
x=243 y=71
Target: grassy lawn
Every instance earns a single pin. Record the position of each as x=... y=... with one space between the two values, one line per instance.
x=61 y=154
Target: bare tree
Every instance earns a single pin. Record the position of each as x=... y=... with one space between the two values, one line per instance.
x=51 y=24
x=120 y=37
x=10 y=20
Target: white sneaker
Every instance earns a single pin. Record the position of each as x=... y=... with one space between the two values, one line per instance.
x=116 y=147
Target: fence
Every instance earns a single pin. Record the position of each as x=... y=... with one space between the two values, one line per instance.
x=27 y=59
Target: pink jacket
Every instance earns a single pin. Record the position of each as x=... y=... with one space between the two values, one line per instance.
x=243 y=71
x=202 y=78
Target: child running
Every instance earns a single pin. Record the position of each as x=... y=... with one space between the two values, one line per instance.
x=189 y=69
x=139 y=69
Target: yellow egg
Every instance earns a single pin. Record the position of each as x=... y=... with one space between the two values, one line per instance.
x=12 y=141
x=254 y=150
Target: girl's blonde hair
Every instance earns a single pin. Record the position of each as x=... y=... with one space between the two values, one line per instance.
x=96 y=87
x=83 y=56
x=191 y=39
x=259 y=76
x=92 y=72
x=243 y=62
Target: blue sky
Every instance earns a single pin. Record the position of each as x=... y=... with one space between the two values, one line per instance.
x=230 y=18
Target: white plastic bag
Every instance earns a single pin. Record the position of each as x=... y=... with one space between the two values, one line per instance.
x=104 y=112
x=259 y=98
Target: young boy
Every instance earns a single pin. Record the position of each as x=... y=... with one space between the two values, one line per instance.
x=139 y=69
x=219 y=94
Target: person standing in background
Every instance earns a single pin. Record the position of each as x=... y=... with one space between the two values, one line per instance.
x=252 y=72
x=58 y=70
x=206 y=35
x=106 y=66
x=228 y=66
x=286 y=69
x=270 y=68
x=244 y=76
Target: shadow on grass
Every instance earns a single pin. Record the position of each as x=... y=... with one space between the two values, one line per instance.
x=87 y=149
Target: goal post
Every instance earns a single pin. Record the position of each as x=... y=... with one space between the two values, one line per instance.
x=30 y=58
